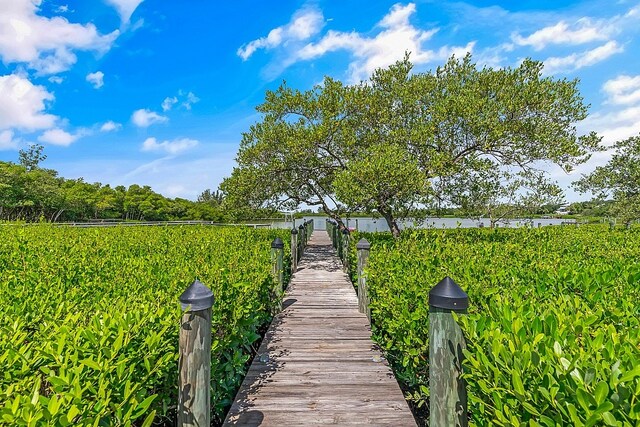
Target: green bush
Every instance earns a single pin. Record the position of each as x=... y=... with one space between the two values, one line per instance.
x=553 y=331
x=89 y=318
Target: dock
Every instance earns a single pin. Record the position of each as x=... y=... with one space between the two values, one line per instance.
x=317 y=364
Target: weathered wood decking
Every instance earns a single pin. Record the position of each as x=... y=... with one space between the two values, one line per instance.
x=317 y=363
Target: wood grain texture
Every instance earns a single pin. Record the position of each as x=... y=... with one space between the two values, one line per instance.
x=195 y=369
x=317 y=364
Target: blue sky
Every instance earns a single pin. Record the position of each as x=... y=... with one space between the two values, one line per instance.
x=158 y=93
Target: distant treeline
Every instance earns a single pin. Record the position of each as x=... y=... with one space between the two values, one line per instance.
x=31 y=193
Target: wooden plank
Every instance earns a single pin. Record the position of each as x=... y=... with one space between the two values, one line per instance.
x=317 y=364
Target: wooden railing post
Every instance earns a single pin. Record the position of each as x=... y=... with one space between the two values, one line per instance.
x=363 y=247
x=277 y=251
x=194 y=363
x=300 y=242
x=447 y=388
x=294 y=250
x=345 y=250
x=333 y=235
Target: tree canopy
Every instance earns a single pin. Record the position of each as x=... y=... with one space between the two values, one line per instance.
x=403 y=140
x=619 y=179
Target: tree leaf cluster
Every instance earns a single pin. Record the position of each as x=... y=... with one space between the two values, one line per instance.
x=405 y=140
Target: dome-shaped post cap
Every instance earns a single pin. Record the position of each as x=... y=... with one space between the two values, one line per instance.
x=363 y=244
x=448 y=295
x=345 y=231
x=196 y=297
x=294 y=231
x=277 y=243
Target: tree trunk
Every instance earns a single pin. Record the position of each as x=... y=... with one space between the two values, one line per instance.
x=391 y=222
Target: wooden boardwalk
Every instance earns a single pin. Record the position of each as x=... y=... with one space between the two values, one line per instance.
x=317 y=364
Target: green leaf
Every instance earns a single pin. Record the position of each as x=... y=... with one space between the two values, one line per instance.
x=609 y=419
x=601 y=392
x=517 y=383
x=629 y=375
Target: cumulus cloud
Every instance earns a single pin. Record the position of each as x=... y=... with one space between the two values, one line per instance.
x=305 y=23
x=7 y=142
x=583 y=31
x=45 y=44
x=56 y=79
x=125 y=8
x=23 y=104
x=396 y=37
x=623 y=90
x=189 y=100
x=96 y=79
x=575 y=61
x=58 y=136
x=186 y=100
x=144 y=118
x=170 y=147
x=622 y=119
x=110 y=126
x=168 y=103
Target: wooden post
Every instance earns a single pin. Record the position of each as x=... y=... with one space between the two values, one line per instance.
x=300 y=241
x=345 y=250
x=294 y=250
x=363 y=247
x=277 y=249
x=194 y=363
x=447 y=394
x=339 y=244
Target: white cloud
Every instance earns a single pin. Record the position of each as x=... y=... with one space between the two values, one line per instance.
x=144 y=118
x=583 y=31
x=623 y=90
x=304 y=23
x=23 y=104
x=110 y=126
x=125 y=8
x=168 y=103
x=7 y=142
x=96 y=79
x=56 y=79
x=189 y=100
x=398 y=36
x=170 y=147
x=186 y=100
x=45 y=44
x=587 y=58
x=57 y=136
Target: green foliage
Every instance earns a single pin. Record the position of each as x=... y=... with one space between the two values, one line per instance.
x=29 y=193
x=403 y=139
x=620 y=178
x=89 y=318
x=553 y=330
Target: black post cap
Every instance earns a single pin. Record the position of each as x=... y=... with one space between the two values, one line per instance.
x=345 y=231
x=196 y=297
x=294 y=231
x=447 y=294
x=277 y=243
x=363 y=244
x=301 y=226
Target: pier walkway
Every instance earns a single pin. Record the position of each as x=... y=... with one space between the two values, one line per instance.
x=317 y=364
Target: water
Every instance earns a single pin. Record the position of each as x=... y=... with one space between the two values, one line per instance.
x=379 y=224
